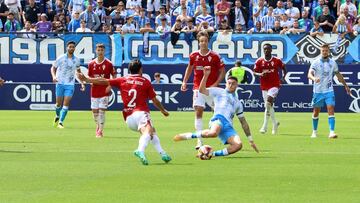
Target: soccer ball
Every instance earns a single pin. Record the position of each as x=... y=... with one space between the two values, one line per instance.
x=205 y=152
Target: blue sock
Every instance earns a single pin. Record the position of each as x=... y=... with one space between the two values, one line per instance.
x=331 y=120
x=57 y=111
x=222 y=152
x=315 y=122
x=63 y=113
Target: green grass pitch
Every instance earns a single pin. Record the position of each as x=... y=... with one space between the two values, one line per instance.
x=39 y=163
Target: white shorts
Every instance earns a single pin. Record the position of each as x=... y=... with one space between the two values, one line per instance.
x=200 y=99
x=151 y=6
x=138 y=119
x=272 y=92
x=99 y=103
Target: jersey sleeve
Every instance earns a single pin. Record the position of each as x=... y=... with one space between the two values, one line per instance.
x=191 y=59
x=57 y=62
x=240 y=110
x=313 y=66
x=336 y=68
x=257 y=67
x=214 y=91
x=150 y=90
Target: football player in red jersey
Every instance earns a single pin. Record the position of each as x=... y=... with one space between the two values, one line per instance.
x=198 y=60
x=267 y=69
x=135 y=92
x=100 y=67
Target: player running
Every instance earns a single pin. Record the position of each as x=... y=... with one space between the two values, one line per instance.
x=198 y=60
x=322 y=72
x=100 y=67
x=63 y=74
x=226 y=106
x=135 y=91
x=267 y=69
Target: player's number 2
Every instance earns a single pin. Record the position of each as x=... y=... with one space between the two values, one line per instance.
x=132 y=93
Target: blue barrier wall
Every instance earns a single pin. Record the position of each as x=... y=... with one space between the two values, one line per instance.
x=292 y=98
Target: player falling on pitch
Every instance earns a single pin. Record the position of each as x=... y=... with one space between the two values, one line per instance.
x=135 y=92
x=100 y=67
x=226 y=106
x=63 y=74
x=267 y=68
x=322 y=71
x=198 y=60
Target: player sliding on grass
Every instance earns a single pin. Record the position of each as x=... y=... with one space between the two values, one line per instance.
x=226 y=106
x=135 y=92
x=63 y=74
x=268 y=70
x=322 y=72
x=198 y=60
x=100 y=67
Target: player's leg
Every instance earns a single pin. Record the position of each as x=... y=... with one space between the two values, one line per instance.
x=263 y=128
x=102 y=109
x=68 y=93
x=207 y=133
x=95 y=112
x=317 y=102
x=330 y=105
x=199 y=106
x=235 y=145
x=155 y=141
x=59 y=91
x=272 y=93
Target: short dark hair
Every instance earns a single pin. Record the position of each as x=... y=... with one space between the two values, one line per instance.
x=202 y=34
x=230 y=77
x=238 y=63
x=325 y=46
x=134 y=66
x=267 y=44
x=100 y=45
x=157 y=74
x=70 y=42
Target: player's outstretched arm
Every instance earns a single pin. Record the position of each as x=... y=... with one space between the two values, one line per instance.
x=246 y=129
x=159 y=106
x=188 y=72
x=95 y=81
x=202 y=89
x=81 y=82
x=342 y=80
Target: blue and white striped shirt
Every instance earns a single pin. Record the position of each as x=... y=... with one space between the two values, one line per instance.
x=262 y=13
x=201 y=18
x=267 y=22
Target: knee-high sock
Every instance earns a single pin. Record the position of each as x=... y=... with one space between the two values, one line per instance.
x=198 y=126
x=315 y=122
x=57 y=111
x=63 y=113
x=266 y=114
x=156 y=142
x=143 y=142
x=101 y=120
x=331 y=120
x=272 y=115
x=96 y=117
x=223 y=152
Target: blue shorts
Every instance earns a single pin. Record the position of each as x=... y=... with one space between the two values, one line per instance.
x=64 y=90
x=319 y=99
x=227 y=129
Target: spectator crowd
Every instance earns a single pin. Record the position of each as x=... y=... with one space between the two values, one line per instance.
x=173 y=17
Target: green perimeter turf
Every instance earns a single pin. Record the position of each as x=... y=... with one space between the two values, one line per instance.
x=39 y=163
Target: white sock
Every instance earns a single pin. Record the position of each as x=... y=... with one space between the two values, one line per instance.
x=272 y=115
x=156 y=142
x=198 y=126
x=143 y=142
x=96 y=117
x=266 y=115
x=101 y=120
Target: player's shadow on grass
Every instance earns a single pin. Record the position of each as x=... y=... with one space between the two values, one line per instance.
x=251 y=157
x=16 y=152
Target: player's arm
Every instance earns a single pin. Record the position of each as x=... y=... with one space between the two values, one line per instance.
x=82 y=83
x=311 y=75
x=188 y=72
x=95 y=81
x=246 y=129
x=203 y=89
x=53 y=73
x=257 y=71
x=342 y=80
x=159 y=106
x=284 y=72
